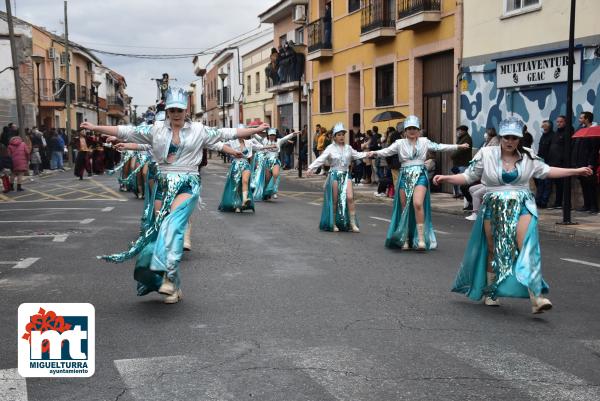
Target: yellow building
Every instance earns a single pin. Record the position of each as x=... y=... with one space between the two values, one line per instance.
x=379 y=55
x=258 y=103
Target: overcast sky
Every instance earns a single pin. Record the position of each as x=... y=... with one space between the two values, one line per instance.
x=147 y=27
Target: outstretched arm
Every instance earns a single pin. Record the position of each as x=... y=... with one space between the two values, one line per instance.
x=457 y=179
x=557 y=172
x=248 y=132
x=103 y=129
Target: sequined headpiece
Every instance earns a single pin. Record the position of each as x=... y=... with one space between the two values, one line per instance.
x=339 y=127
x=412 y=121
x=177 y=98
x=511 y=126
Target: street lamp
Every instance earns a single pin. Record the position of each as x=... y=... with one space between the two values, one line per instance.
x=96 y=84
x=38 y=60
x=223 y=75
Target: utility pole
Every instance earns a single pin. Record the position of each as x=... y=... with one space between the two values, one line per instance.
x=15 y=67
x=68 y=89
x=569 y=127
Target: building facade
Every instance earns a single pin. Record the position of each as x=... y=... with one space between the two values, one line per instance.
x=372 y=56
x=515 y=63
x=288 y=58
x=258 y=102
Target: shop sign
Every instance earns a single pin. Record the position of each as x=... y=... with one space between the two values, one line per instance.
x=537 y=70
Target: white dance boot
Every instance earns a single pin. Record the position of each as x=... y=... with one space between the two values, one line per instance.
x=539 y=304
x=245 y=199
x=491 y=278
x=187 y=238
x=353 y=225
x=167 y=287
x=174 y=298
x=406 y=245
x=421 y=233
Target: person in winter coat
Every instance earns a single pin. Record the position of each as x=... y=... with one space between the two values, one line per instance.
x=19 y=154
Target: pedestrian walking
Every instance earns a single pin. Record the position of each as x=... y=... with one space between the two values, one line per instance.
x=411 y=226
x=339 y=211
x=19 y=154
x=503 y=256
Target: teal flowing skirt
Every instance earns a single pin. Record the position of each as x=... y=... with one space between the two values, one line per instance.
x=149 y=196
x=341 y=218
x=271 y=187
x=232 y=193
x=403 y=226
x=257 y=180
x=517 y=271
x=160 y=248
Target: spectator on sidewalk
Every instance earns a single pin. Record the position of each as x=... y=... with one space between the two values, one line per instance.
x=368 y=163
x=321 y=145
x=585 y=154
x=527 y=140
x=19 y=154
x=5 y=168
x=57 y=149
x=462 y=156
x=8 y=132
x=544 y=185
x=393 y=162
x=556 y=157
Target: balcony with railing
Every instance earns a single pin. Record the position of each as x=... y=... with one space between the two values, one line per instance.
x=319 y=40
x=116 y=106
x=378 y=21
x=82 y=94
x=53 y=92
x=416 y=13
x=225 y=97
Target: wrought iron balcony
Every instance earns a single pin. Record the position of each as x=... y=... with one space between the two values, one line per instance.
x=116 y=106
x=53 y=92
x=412 y=13
x=319 y=40
x=377 y=21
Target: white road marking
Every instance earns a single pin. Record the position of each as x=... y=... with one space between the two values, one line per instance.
x=85 y=221
x=68 y=200
x=106 y=209
x=12 y=386
x=541 y=381
x=380 y=219
x=441 y=232
x=581 y=262
x=314 y=204
x=57 y=237
x=25 y=263
x=146 y=381
x=593 y=345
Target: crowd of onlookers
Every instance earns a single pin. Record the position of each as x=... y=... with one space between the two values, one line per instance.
x=47 y=149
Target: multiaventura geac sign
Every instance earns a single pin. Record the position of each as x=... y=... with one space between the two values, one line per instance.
x=536 y=70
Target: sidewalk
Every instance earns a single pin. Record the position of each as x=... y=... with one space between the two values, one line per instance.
x=587 y=229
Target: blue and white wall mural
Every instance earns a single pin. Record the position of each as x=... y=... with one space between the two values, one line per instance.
x=484 y=105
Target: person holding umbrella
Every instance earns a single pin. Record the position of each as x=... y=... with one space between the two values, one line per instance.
x=503 y=256
x=411 y=218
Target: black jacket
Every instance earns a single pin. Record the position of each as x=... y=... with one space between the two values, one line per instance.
x=585 y=152
x=544 y=145
x=556 y=153
x=462 y=157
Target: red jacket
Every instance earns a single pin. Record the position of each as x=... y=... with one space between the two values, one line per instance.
x=18 y=152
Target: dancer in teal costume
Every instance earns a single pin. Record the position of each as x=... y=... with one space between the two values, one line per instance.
x=503 y=256
x=177 y=149
x=272 y=162
x=411 y=225
x=236 y=196
x=339 y=211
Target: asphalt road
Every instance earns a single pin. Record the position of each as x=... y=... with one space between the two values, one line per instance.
x=274 y=309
